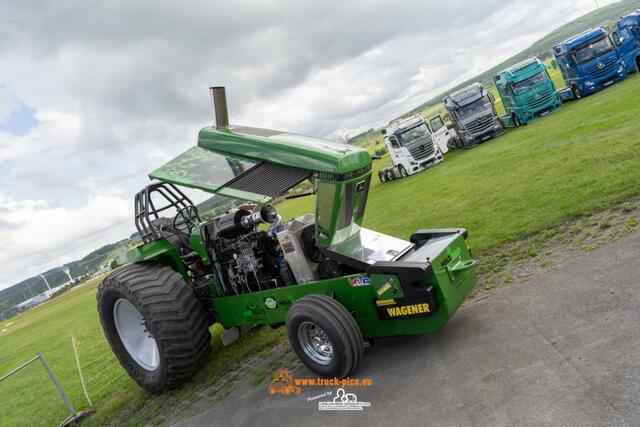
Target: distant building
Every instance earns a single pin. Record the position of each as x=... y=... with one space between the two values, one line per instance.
x=38 y=299
x=103 y=269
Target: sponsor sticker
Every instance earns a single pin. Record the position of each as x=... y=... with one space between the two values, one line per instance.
x=422 y=304
x=408 y=310
x=343 y=401
x=384 y=288
x=359 y=281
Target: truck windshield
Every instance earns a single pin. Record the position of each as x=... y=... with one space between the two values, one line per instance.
x=473 y=107
x=592 y=50
x=531 y=81
x=413 y=134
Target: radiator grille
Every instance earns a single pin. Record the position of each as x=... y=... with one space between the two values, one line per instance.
x=269 y=179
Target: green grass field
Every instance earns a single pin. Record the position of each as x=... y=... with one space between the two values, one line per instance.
x=575 y=161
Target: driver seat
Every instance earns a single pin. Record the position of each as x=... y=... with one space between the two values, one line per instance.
x=178 y=238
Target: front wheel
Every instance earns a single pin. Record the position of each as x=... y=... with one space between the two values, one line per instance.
x=325 y=336
x=516 y=121
x=155 y=325
x=577 y=93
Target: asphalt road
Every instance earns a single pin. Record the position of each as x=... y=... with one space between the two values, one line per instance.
x=560 y=350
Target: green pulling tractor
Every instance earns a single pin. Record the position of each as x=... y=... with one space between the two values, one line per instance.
x=331 y=282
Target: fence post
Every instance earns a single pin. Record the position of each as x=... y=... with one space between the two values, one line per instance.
x=54 y=380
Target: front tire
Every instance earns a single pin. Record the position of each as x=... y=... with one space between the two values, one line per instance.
x=155 y=325
x=516 y=121
x=325 y=336
x=577 y=93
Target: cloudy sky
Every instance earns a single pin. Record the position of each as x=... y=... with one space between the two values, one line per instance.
x=95 y=95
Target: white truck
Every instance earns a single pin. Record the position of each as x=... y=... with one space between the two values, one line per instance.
x=414 y=145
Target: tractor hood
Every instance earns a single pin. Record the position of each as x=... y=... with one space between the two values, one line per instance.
x=259 y=164
x=305 y=152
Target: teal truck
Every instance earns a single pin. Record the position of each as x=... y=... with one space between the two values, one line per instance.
x=527 y=92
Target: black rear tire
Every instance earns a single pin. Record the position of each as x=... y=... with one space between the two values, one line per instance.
x=382 y=176
x=173 y=316
x=403 y=172
x=390 y=176
x=340 y=328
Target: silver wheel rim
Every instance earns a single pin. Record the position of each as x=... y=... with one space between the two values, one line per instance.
x=133 y=333
x=315 y=343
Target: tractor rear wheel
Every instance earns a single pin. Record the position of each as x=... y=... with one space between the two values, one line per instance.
x=403 y=171
x=325 y=336
x=390 y=175
x=155 y=325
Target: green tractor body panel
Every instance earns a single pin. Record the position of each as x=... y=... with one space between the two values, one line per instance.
x=304 y=152
x=382 y=304
x=159 y=250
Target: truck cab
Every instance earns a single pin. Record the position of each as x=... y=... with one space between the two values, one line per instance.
x=527 y=91
x=589 y=62
x=411 y=146
x=473 y=113
x=626 y=38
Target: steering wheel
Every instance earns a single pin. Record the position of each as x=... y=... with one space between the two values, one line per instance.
x=186 y=218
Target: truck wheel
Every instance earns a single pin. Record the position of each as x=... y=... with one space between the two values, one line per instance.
x=577 y=94
x=403 y=171
x=154 y=324
x=516 y=121
x=325 y=336
x=638 y=64
x=390 y=176
x=382 y=176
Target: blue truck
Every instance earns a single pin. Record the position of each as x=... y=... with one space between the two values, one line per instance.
x=589 y=62
x=626 y=38
x=527 y=92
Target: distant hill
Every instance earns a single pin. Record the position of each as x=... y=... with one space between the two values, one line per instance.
x=25 y=289
x=605 y=16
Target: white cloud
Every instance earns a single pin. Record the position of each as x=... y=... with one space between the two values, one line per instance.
x=37 y=235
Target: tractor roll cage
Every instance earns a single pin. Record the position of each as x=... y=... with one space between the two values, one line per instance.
x=146 y=211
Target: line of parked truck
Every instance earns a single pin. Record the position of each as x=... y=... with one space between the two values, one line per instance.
x=589 y=62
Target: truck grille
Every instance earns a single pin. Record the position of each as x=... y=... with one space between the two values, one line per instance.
x=539 y=100
x=422 y=150
x=598 y=71
x=480 y=125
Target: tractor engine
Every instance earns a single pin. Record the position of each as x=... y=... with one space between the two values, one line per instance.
x=248 y=259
